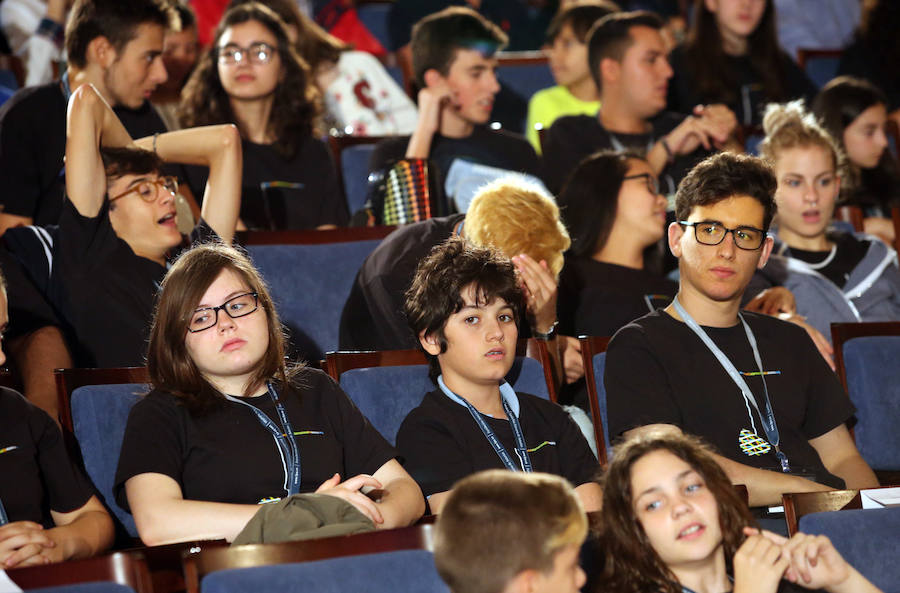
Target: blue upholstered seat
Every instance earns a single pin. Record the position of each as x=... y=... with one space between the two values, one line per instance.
x=310 y=284
x=355 y=172
x=525 y=79
x=867 y=539
x=873 y=382
x=374 y=16
x=389 y=572
x=385 y=395
x=99 y=415
x=598 y=362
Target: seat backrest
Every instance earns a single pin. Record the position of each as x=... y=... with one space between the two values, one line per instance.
x=388 y=572
x=820 y=65
x=593 y=357
x=873 y=383
x=867 y=539
x=525 y=73
x=99 y=416
x=355 y=172
x=386 y=394
x=309 y=284
x=113 y=573
x=374 y=15
x=799 y=504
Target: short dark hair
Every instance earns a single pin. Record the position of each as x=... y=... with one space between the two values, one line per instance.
x=631 y=562
x=497 y=524
x=121 y=160
x=114 y=19
x=580 y=16
x=611 y=37
x=436 y=38
x=436 y=290
x=723 y=176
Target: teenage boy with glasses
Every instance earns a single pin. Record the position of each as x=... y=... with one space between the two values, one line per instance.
x=752 y=385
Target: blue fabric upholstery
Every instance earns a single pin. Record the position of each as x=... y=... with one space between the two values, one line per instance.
x=99 y=415
x=99 y=587
x=526 y=79
x=873 y=382
x=822 y=69
x=599 y=364
x=375 y=17
x=355 y=172
x=867 y=539
x=389 y=572
x=385 y=395
x=310 y=284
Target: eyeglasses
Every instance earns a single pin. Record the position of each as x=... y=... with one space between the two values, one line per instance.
x=652 y=182
x=258 y=53
x=713 y=233
x=237 y=306
x=148 y=189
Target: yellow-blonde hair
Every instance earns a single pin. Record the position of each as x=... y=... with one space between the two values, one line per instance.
x=516 y=216
x=790 y=125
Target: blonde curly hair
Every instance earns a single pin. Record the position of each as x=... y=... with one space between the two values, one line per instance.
x=516 y=216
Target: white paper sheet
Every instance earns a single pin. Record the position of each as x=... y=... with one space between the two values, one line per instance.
x=6 y=584
x=878 y=498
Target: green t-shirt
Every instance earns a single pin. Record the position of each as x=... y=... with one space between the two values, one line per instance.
x=548 y=104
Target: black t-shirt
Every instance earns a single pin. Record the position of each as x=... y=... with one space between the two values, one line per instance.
x=226 y=455
x=751 y=97
x=28 y=308
x=441 y=443
x=37 y=475
x=373 y=317
x=598 y=298
x=848 y=252
x=572 y=138
x=103 y=291
x=279 y=193
x=494 y=148
x=659 y=372
x=33 y=143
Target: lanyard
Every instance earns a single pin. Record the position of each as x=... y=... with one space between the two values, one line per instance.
x=521 y=448
x=768 y=420
x=3 y=518
x=287 y=445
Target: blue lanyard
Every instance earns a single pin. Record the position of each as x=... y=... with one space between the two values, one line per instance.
x=3 y=518
x=768 y=420
x=521 y=448
x=287 y=445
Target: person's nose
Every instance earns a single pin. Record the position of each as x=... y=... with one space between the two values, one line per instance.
x=494 y=331
x=727 y=247
x=492 y=83
x=158 y=72
x=224 y=322
x=881 y=138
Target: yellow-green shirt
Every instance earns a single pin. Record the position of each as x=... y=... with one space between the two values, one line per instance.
x=548 y=104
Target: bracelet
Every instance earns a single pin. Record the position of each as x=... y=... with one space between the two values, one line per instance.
x=670 y=156
x=155 y=136
x=551 y=333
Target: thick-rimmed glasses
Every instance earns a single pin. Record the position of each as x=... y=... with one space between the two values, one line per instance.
x=713 y=233
x=148 y=188
x=651 y=181
x=258 y=53
x=236 y=306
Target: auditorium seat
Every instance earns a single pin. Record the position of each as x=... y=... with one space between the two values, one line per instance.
x=593 y=355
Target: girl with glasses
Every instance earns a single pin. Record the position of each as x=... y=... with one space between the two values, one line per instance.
x=253 y=77
x=835 y=276
x=228 y=421
x=673 y=523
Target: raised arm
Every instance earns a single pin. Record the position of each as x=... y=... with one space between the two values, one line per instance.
x=219 y=148
x=90 y=124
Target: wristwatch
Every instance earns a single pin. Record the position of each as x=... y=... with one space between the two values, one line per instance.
x=551 y=333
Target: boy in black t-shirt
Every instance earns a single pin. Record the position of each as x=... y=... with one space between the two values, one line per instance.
x=751 y=385
x=463 y=305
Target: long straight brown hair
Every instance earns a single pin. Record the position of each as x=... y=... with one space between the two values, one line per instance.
x=170 y=366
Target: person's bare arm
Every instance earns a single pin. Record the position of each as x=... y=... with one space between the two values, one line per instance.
x=162 y=515
x=36 y=355
x=8 y=221
x=436 y=501
x=402 y=502
x=219 y=148
x=590 y=495
x=432 y=101
x=840 y=456
x=90 y=124
x=765 y=487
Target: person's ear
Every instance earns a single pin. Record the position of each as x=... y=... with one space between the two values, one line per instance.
x=765 y=252
x=610 y=70
x=101 y=52
x=676 y=232
x=524 y=582
x=432 y=77
x=430 y=343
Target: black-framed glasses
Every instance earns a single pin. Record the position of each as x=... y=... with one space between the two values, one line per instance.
x=236 y=306
x=652 y=182
x=258 y=53
x=713 y=233
x=148 y=189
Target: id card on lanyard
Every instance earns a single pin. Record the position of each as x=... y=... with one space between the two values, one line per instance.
x=768 y=419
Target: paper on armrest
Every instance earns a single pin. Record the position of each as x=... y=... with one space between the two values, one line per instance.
x=877 y=498
x=6 y=584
